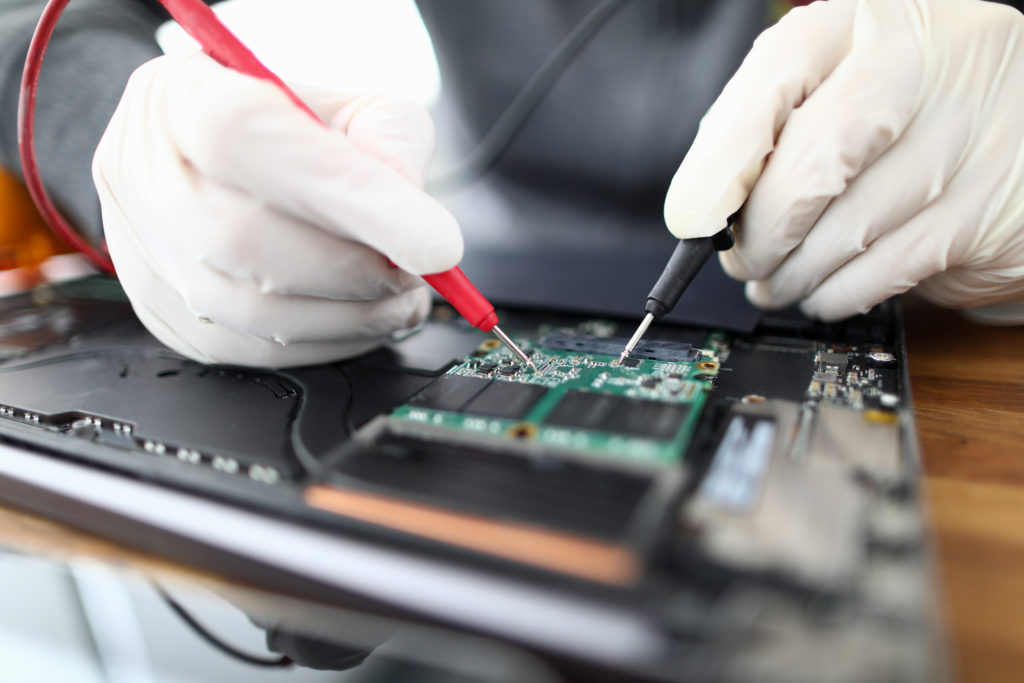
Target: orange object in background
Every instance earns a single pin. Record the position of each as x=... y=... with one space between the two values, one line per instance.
x=25 y=239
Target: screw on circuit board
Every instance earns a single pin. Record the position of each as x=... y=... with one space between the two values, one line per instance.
x=881 y=357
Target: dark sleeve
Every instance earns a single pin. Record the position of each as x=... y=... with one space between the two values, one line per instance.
x=97 y=45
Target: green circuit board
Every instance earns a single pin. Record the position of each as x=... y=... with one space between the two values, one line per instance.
x=579 y=397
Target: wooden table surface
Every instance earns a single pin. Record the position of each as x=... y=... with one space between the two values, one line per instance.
x=968 y=387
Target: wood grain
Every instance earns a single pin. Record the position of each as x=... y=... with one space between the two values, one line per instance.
x=968 y=386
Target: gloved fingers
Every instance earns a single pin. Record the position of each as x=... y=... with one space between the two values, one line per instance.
x=982 y=288
x=325 y=102
x=247 y=134
x=397 y=131
x=282 y=254
x=787 y=62
x=847 y=123
x=241 y=306
x=230 y=230
x=982 y=281
x=163 y=311
x=887 y=194
x=896 y=261
x=176 y=328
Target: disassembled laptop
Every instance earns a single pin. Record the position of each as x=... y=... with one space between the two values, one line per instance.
x=753 y=497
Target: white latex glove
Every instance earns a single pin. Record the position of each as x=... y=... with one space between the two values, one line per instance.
x=877 y=144
x=245 y=232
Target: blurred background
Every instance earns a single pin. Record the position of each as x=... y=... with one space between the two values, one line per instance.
x=86 y=622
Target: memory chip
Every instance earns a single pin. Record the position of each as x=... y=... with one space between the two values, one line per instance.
x=584 y=410
x=649 y=419
x=449 y=392
x=619 y=415
x=611 y=346
x=507 y=400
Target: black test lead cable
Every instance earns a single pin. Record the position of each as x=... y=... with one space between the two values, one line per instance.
x=504 y=130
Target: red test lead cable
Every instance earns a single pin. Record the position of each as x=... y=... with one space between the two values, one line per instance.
x=200 y=22
x=26 y=139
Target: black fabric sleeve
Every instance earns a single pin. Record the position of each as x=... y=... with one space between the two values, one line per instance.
x=97 y=45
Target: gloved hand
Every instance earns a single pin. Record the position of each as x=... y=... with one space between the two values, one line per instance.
x=877 y=145
x=244 y=232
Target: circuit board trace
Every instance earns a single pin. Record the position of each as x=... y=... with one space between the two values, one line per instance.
x=579 y=398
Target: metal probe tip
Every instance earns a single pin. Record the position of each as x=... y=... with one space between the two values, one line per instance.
x=513 y=347
x=637 y=336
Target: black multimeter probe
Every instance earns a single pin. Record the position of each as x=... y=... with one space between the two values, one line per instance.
x=687 y=259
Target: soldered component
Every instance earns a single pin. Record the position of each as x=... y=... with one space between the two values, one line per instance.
x=880 y=416
x=523 y=430
x=489 y=345
x=840 y=360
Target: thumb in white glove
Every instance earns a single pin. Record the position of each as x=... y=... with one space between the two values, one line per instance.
x=876 y=145
x=245 y=232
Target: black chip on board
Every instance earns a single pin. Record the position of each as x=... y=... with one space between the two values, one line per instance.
x=584 y=410
x=486 y=368
x=630 y=363
x=650 y=349
x=507 y=400
x=449 y=392
x=508 y=370
x=650 y=419
x=840 y=359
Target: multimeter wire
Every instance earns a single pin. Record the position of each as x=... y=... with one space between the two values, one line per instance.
x=503 y=131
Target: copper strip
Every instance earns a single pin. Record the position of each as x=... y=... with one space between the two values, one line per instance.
x=586 y=559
